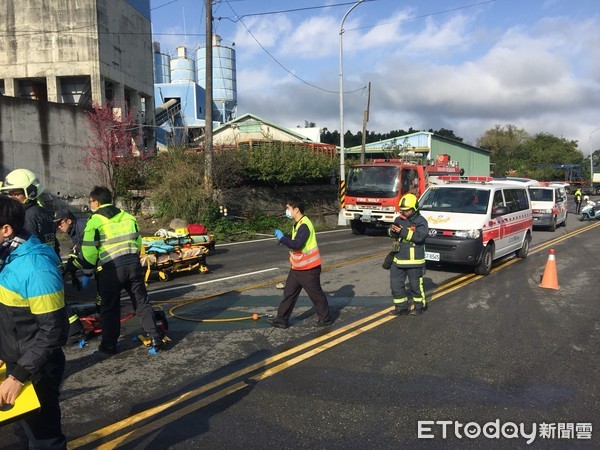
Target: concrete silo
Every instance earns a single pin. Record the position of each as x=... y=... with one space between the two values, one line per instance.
x=224 y=79
x=183 y=69
x=162 y=65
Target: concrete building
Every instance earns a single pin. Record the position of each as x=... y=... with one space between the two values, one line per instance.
x=80 y=52
x=474 y=160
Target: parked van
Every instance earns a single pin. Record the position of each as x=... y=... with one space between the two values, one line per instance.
x=477 y=223
x=549 y=205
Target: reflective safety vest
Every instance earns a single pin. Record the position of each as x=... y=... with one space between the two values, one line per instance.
x=107 y=239
x=308 y=257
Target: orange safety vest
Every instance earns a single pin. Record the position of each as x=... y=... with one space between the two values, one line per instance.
x=308 y=257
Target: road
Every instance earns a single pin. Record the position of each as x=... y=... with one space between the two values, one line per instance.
x=495 y=347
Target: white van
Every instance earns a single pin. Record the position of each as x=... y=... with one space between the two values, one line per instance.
x=477 y=223
x=549 y=205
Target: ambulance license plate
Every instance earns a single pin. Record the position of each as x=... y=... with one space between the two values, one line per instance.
x=432 y=256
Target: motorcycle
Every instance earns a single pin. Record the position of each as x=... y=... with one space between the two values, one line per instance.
x=591 y=211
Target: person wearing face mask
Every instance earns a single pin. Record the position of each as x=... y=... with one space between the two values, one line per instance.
x=110 y=247
x=409 y=230
x=305 y=271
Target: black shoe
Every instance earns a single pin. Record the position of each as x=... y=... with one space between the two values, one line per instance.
x=106 y=350
x=416 y=312
x=399 y=312
x=277 y=323
x=324 y=323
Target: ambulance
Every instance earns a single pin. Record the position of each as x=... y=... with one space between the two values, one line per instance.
x=549 y=204
x=474 y=221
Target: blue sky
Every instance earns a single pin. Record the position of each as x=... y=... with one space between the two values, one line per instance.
x=464 y=65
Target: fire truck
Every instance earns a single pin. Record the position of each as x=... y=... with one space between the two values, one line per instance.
x=374 y=189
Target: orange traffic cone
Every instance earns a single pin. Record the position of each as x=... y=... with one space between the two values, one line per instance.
x=550 y=278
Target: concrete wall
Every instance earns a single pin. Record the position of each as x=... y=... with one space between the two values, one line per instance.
x=50 y=139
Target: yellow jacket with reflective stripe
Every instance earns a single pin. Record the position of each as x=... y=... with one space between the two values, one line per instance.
x=109 y=234
x=308 y=256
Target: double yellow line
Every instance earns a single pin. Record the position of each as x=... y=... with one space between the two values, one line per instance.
x=196 y=399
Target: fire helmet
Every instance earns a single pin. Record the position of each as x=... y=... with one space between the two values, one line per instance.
x=408 y=201
x=23 y=179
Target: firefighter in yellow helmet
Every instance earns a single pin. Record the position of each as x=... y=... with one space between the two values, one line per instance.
x=23 y=185
x=409 y=230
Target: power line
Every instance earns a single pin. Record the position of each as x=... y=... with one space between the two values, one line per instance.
x=281 y=65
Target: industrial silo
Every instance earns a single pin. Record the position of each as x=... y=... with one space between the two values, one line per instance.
x=183 y=69
x=162 y=65
x=224 y=79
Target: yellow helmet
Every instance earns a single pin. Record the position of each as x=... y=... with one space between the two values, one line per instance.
x=408 y=201
x=23 y=179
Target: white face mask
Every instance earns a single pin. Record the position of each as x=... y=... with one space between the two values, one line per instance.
x=288 y=214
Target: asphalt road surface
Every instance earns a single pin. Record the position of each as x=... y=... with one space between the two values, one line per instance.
x=490 y=352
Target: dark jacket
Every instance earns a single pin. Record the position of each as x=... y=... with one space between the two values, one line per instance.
x=40 y=223
x=411 y=240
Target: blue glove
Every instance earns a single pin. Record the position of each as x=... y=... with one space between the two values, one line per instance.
x=278 y=234
x=85 y=280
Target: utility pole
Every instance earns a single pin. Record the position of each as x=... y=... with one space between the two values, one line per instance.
x=364 y=131
x=208 y=121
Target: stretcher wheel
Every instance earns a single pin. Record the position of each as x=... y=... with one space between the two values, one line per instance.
x=163 y=276
x=203 y=269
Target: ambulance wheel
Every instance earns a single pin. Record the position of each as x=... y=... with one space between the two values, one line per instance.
x=358 y=227
x=485 y=265
x=553 y=226
x=564 y=224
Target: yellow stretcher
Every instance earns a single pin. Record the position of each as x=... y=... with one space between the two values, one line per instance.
x=168 y=255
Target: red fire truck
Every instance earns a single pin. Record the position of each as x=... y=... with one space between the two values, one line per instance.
x=374 y=189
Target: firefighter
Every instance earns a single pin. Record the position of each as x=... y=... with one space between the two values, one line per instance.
x=410 y=230
x=24 y=186
x=577 y=195
x=111 y=246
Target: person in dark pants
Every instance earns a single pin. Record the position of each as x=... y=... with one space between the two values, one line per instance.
x=111 y=246
x=410 y=230
x=305 y=271
x=33 y=327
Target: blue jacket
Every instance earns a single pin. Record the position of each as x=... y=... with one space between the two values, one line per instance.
x=33 y=318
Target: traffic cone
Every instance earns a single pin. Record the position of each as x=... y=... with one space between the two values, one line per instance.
x=550 y=278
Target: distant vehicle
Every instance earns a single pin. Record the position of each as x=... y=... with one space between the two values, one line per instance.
x=549 y=205
x=475 y=223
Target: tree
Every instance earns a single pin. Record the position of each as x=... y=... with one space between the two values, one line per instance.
x=111 y=140
x=503 y=142
x=537 y=155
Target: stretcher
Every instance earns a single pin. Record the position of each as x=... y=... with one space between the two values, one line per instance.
x=167 y=253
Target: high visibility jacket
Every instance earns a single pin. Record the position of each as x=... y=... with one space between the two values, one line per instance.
x=33 y=319
x=308 y=257
x=110 y=236
x=411 y=240
x=577 y=195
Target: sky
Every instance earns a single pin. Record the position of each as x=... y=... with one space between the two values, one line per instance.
x=462 y=65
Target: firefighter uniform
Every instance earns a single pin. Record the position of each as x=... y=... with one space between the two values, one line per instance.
x=305 y=261
x=410 y=230
x=111 y=245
